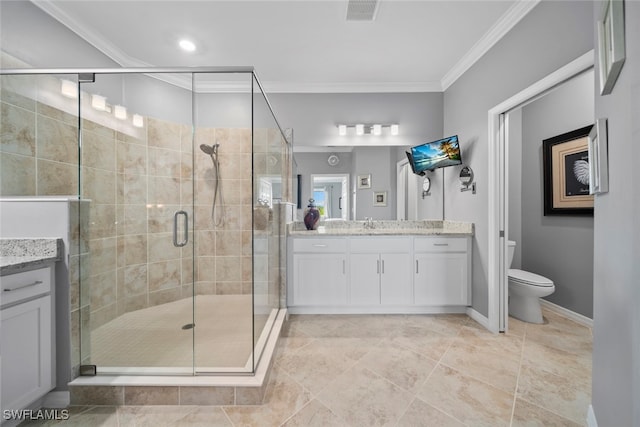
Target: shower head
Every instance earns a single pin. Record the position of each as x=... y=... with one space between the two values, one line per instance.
x=209 y=149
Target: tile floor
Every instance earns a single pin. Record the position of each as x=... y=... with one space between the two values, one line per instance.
x=397 y=370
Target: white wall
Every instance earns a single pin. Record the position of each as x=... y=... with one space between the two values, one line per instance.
x=556 y=246
x=550 y=36
x=616 y=317
x=515 y=184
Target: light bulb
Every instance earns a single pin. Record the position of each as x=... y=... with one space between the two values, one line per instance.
x=99 y=102
x=395 y=129
x=342 y=130
x=138 y=121
x=120 y=112
x=359 y=129
x=69 y=89
x=377 y=129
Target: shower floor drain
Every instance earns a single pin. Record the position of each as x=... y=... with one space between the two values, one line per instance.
x=189 y=326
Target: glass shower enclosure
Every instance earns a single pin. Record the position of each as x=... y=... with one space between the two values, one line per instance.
x=176 y=180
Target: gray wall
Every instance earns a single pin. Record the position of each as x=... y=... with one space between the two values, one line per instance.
x=557 y=247
x=550 y=36
x=380 y=162
x=616 y=316
x=315 y=116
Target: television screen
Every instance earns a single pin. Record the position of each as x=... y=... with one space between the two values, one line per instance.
x=437 y=154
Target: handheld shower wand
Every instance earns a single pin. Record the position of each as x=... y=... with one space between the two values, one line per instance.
x=212 y=151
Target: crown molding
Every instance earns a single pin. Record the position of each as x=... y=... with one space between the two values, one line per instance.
x=352 y=87
x=510 y=18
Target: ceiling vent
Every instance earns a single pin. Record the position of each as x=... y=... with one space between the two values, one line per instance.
x=362 y=10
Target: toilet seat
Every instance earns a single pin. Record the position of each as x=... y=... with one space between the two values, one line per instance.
x=528 y=278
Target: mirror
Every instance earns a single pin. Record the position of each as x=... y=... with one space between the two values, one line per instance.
x=331 y=195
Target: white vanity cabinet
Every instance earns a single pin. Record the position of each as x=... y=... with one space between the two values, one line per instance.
x=380 y=271
x=379 y=274
x=27 y=331
x=319 y=272
x=442 y=271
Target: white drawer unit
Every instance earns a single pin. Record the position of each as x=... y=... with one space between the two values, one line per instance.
x=379 y=274
x=27 y=341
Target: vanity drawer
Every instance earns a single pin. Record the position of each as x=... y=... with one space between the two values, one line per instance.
x=311 y=245
x=381 y=244
x=28 y=284
x=440 y=244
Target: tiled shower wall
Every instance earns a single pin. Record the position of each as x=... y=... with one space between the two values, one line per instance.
x=134 y=180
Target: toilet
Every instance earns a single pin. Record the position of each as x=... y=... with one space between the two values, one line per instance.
x=525 y=291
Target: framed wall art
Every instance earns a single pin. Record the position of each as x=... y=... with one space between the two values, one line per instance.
x=364 y=181
x=611 y=49
x=566 y=171
x=380 y=198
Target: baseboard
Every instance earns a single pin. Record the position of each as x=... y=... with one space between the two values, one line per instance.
x=481 y=319
x=576 y=317
x=591 y=417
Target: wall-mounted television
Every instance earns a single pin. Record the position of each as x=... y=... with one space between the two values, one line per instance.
x=436 y=154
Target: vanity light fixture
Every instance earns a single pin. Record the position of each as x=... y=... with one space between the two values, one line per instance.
x=99 y=102
x=120 y=112
x=69 y=89
x=369 y=129
x=138 y=121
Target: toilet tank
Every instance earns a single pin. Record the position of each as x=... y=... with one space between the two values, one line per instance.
x=511 y=250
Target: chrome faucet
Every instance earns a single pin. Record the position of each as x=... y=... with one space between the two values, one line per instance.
x=368 y=222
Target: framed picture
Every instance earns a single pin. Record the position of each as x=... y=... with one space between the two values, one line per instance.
x=598 y=158
x=380 y=198
x=364 y=181
x=566 y=172
x=611 y=50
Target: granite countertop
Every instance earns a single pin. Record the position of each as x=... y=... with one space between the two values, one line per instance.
x=384 y=228
x=24 y=254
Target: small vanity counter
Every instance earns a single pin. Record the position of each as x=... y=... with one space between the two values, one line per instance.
x=383 y=228
x=27 y=320
x=18 y=255
x=380 y=267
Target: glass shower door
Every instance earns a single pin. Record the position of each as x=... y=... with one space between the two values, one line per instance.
x=135 y=167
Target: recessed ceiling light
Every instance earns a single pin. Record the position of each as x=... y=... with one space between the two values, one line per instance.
x=187 y=45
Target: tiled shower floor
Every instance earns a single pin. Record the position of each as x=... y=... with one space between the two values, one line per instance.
x=153 y=337
x=413 y=370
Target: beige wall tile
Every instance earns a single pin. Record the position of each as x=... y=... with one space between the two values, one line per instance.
x=164 y=275
x=165 y=191
x=57 y=141
x=135 y=249
x=161 y=247
x=18 y=130
x=163 y=134
x=164 y=296
x=99 y=185
x=228 y=269
x=57 y=179
x=131 y=158
x=98 y=151
x=18 y=176
x=135 y=280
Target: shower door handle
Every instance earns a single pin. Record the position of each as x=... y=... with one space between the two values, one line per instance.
x=175 y=229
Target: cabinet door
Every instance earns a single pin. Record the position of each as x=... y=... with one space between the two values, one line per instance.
x=364 y=281
x=26 y=352
x=395 y=279
x=319 y=279
x=440 y=279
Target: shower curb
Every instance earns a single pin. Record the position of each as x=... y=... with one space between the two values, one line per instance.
x=214 y=390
